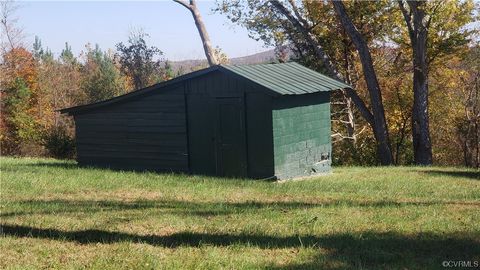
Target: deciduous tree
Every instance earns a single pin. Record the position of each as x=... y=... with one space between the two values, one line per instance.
x=139 y=61
x=434 y=29
x=274 y=20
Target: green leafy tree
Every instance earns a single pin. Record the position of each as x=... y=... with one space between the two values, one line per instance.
x=67 y=55
x=20 y=126
x=366 y=43
x=279 y=22
x=101 y=78
x=139 y=61
x=59 y=82
x=21 y=103
x=169 y=74
x=39 y=53
x=434 y=29
x=37 y=48
x=467 y=119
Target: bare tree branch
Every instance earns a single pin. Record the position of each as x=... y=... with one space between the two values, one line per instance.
x=183 y=3
x=361 y=106
x=13 y=34
x=319 y=51
x=379 y=122
x=297 y=13
x=322 y=55
x=202 y=30
x=408 y=18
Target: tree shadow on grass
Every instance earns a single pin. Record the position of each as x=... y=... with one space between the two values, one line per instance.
x=54 y=164
x=349 y=250
x=202 y=209
x=176 y=207
x=130 y=169
x=474 y=175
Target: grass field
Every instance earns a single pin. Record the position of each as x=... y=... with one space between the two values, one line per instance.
x=56 y=215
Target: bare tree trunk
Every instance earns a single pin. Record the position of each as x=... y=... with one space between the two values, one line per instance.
x=470 y=137
x=476 y=125
x=202 y=30
x=420 y=123
x=377 y=119
x=380 y=124
x=300 y=26
x=418 y=30
x=350 y=122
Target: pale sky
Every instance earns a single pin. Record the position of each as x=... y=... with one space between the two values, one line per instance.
x=170 y=26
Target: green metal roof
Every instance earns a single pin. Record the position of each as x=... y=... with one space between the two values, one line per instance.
x=280 y=79
x=287 y=78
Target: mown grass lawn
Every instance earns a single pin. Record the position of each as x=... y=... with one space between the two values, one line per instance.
x=56 y=215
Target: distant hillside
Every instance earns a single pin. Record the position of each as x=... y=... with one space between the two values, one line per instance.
x=258 y=58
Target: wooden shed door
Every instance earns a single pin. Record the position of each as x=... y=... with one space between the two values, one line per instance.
x=231 y=155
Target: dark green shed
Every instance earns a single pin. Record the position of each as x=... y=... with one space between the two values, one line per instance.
x=259 y=121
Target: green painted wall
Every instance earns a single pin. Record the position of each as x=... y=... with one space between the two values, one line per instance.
x=202 y=94
x=174 y=129
x=301 y=135
x=144 y=133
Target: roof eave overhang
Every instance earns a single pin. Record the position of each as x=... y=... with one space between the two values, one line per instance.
x=272 y=92
x=87 y=107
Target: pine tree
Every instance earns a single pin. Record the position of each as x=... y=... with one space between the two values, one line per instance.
x=102 y=79
x=67 y=55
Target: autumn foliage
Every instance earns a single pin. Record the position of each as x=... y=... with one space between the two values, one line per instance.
x=34 y=84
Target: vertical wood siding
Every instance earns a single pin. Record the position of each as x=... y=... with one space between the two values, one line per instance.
x=202 y=93
x=173 y=129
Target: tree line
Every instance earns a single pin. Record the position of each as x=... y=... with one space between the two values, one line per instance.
x=413 y=67
x=409 y=62
x=35 y=84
